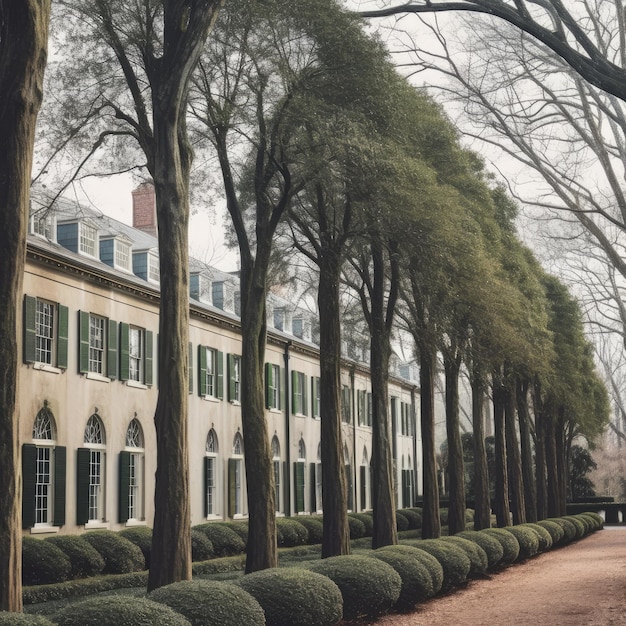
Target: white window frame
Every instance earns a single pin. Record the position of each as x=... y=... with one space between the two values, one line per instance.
x=153 y=268
x=122 y=255
x=136 y=479
x=97 y=344
x=46 y=320
x=274 y=388
x=211 y=372
x=212 y=492
x=136 y=353
x=87 y=239
x=94 y=441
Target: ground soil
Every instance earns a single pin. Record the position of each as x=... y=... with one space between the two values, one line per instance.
x=582 y=584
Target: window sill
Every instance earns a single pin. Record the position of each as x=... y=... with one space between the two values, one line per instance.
x=275 y=410
x=136 y=384
x=46 y=367
x=135 y=522
x=236 y=402
x=210 y=398
x=93 y=525
x=40 y=530
x=240 y=516
x=214 y=517
x=99 y=377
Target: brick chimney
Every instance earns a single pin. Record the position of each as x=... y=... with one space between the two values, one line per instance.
x=144 y=209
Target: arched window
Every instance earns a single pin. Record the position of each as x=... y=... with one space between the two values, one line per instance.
x=235 y=478
x=210 y=474
x=365 y=480
x=94 y=463
x=301 y=450
x=300 y=478
x=238 y=444
x=276 y=464
x=133 y=458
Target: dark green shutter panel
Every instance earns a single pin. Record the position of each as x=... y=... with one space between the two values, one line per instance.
x=124 y=348
x=314 y=404
x=219 y=368
x=58 y=513
x=298 y=476
x=231 y=376
x=190 y=366
x=295 y=405
x=30 y=308
x=112 y=351
x=286 y=494
x=312 y=487
x=205 y=483
x=305 y=398
x=29 y=483
x=269 y=370
x=83 y=342
x=82 y=485
x=363 y=490
x=202 y=371
x=349 y=485
x=149 y=371
x=282 y=384
x=232 y=464
x=62 y=340
x=123 y=487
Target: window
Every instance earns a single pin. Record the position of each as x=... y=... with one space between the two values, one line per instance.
x=361 y=406
x=273 y=390
x=318 y=479
x=407 y=422
x=41 y=223
x=132 y=469
x=91 y=473
x=365 y=482
x=408 y=491
x=299 y=477
x=88 y=239
x=315 y=395
x=279 y=319
x=346 y=408
x=234 y=378
x=298 y=393
x=122 y=255
x=45 y=332
x=210 y=475
x=136 y=351
x=349 y=483
x=43 y=475
x=370 y=409
x=235 y=478
x=98 y=345
x=276 y=465
x=153 y=268
x=210 y=372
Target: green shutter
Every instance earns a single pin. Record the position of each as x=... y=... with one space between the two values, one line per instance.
x=205 y=483
x=219 y=367
x=202 y=370
x=58 y=513
x=312 y=487
x=148 y=365
x=305 y=399
x=29 y=481
x=269 y=370
x=230 y=369
x=30 y=308
x=232 y=464
x=286 y=494
x=112 y=351
x=314 y=403
x=62 y=336
x=295 y=386
x=123 y=487
x=363 y=490
x=298 y=477
x=349 y=487
x=82 y=486
x=282 y=383
x=190 y=366
x=124 y=348
x=83 y=342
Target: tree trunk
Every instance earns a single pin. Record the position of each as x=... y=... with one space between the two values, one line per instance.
x=503 y=515
x=23 y=50
x=528 y=474
x=552 y=470
x=456 y=475
x=384 y=508
x=336 y=536
x=482 y=506
x=561 y=465
x=261 y=552
x=514 y=461
x=431 y=523
x=540 y=452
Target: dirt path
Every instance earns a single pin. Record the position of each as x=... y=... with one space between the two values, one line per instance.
x=583 y=584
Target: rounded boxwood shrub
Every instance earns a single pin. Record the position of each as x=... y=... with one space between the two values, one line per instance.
x=240 y=528
x=84 y=558
x=545 y=538
x=23 y=619
x=292 y=596
x=569 y=530
x=201 y=546
x=120 y=555
x=315 y=527
x=369 y=587
x=43 y=563
x=226 y=542
x=469 y=515
x=477 y=556
x=367 y=521
x=402 y=522
x=598 y=522
x=211 y=603
x=414 y=519
x=357 y=527
x=508 y=542
x=455 y=563
x=290 y=533
x=141 y=536
x=492 y=547
x=425 y=558
x=417 y=584
x=556 y=532
x=528 y=540
x=417 y=512
x=117 y=610
x=581 y=528
x=443 y=516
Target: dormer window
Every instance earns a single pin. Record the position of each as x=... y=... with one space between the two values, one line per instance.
x=200 y=287
x=88 y=239
x=122 y=255
x=42 y=224
x=115 y=252
x=153 y=268
x=146 y=265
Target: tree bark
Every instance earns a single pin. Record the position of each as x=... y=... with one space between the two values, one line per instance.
x=540 y=452
x=528 y=474
x=456 y=475
x=514 y=461
x=554 y=510
x=561 y=464
x=431 y=523
x=503 y=515
x=336 y=536
x=482 y=505
x=23 y=51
